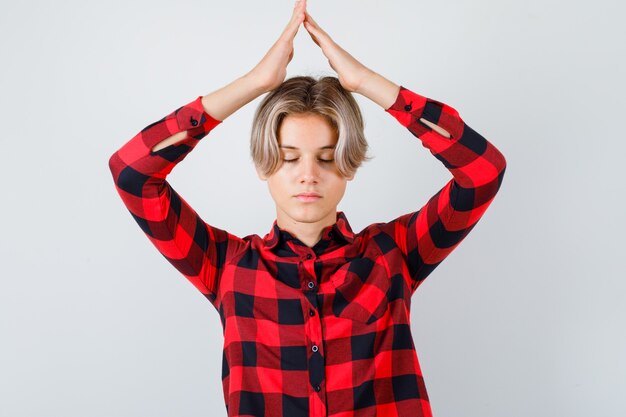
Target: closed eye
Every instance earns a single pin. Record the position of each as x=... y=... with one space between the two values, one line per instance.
x=321 y=160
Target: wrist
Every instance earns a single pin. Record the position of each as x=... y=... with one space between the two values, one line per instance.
x=255 y=83
x=379 y=89
x=223 y=102
x=367 y=78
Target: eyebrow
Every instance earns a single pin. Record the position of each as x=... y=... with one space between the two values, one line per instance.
x=293 y=147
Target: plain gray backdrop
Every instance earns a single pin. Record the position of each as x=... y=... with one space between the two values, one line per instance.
x=525 y=317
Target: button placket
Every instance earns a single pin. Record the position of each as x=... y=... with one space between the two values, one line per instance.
x=313 y=327
x=306 y=259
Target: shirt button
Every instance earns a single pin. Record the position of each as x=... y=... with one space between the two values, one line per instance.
x=407 y=107
x=311 y=284
x=194 y=122
x=309 y=256
x=314 y=348
x=311 y=313
x=317 y=388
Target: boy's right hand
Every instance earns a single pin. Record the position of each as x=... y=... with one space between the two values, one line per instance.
x=271 y=71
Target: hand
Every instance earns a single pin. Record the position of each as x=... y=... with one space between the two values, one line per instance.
x=271 y=71
x=351 y=73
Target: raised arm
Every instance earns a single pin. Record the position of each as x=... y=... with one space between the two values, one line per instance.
x=429 y=235
x=221 y=103
x=140 y=167
x=354 y=76
x=426 y=236
x=268 y=74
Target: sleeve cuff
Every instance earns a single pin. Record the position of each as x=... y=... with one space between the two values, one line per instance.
x=192 y=116
x=408 y=106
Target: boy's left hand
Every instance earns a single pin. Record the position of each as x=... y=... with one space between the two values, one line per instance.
x=351 y=72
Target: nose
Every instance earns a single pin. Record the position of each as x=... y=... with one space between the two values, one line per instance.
x=309 y=171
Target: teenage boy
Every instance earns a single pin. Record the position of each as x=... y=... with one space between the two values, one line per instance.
x=315 y=317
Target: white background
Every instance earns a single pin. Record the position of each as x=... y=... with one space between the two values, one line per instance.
x=525 y=317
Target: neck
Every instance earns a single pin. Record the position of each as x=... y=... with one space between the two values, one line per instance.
x=308 y=233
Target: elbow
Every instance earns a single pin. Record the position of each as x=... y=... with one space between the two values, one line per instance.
x=496 y=159
x=115 y=166
x=500 y=163
x=112 y=161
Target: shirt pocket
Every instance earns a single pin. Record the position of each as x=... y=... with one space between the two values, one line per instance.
x=361 y=290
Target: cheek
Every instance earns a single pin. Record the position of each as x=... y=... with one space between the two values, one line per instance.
x=278 y=186
x=338 y=188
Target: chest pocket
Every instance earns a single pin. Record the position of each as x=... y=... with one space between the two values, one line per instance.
x=361 y=291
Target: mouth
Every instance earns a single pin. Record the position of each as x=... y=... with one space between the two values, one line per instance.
x=307 y=197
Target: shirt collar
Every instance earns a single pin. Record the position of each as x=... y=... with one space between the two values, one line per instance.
x=340 y=230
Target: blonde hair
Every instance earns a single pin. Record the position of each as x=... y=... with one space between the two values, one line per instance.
x=303 y=94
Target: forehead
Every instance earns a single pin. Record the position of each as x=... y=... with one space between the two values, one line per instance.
x=306 y=131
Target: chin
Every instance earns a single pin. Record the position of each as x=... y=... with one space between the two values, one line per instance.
x=307 y=214
x=307 y=217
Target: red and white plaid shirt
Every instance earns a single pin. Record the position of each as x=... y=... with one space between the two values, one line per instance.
x=321 y=331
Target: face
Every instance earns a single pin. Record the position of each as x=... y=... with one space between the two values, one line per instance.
x=307 y=143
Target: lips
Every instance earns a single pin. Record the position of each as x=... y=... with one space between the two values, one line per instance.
x=308 y=197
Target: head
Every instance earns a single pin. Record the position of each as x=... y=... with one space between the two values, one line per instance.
x=307 y=137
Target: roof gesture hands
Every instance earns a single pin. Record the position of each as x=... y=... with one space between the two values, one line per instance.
x=271 y=71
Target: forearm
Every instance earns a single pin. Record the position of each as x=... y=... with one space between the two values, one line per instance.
x=477 y=167
x=384 y=92
x=222 y=103
x=378 y=89
x=470 y=157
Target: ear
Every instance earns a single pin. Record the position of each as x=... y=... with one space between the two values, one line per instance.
x=260 y=174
